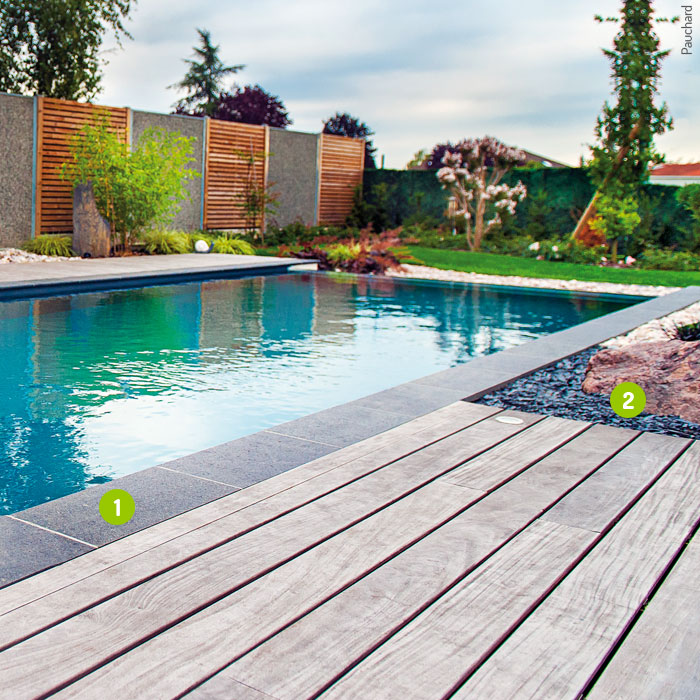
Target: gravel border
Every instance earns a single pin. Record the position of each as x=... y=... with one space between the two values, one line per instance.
x=16 y=255
x=433 y=273
x=658 y=329
x=556 y=390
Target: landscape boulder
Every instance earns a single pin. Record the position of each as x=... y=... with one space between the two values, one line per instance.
x=667 y=370
x=90 y=230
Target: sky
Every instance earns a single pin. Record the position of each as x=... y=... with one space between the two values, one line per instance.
x=418 y=73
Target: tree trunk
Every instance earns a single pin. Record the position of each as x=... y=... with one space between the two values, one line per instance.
x=618 y=162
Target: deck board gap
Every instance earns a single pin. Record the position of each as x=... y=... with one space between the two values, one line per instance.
x=436 y=597
x=595 y=676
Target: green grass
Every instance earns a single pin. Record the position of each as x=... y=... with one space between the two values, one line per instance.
x=492 y=264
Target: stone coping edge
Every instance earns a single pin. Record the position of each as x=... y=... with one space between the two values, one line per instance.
x=48 y=534
x=16 y=290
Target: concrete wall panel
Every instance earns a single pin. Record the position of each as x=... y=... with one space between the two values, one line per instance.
x=189 y=216
x=16 y=155
x=292 y=175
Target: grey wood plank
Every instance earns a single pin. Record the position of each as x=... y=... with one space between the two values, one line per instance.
x=261 y=606
x=362 y=614
x=428 y=657
x=222 y=687
x=126 y=619
x=660 y=658
x=432 y=653
x=61 y=591
x=594 y=502
x=559 y=647
x=524 y=448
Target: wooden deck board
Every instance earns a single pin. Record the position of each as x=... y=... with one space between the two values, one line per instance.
x=36 y=603
x=601 y=497
x=454 y=546
x=660 y=658
x=142 y=611
x=523 y=449
x=331 y=635
x=558 y=649
x=481 y=610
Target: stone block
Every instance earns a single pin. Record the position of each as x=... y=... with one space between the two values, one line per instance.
x=90 y=229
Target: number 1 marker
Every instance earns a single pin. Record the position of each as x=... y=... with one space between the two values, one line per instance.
x=117 y=507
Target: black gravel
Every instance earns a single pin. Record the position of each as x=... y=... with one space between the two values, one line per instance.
x=556 y=391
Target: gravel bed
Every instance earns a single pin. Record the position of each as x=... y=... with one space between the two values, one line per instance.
x=657 y=329
x=556 y=391
x=16 y=255
x=433 y=273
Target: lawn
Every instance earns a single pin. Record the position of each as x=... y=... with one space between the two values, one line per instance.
x=492 y=264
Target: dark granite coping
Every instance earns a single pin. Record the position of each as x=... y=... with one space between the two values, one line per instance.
x=45 y=535
x=71 y=284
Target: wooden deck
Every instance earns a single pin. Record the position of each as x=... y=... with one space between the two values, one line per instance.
x=458 y=555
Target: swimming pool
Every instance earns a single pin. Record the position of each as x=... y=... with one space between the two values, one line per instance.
x=100 y=385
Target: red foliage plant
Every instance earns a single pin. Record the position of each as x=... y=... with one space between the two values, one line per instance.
x=368 y=254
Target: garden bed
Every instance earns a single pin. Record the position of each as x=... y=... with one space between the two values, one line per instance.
x=556 y=390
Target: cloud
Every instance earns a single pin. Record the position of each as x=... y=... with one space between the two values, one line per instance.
x=418 y=73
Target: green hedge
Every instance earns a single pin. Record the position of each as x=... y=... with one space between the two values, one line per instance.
x=665 y=222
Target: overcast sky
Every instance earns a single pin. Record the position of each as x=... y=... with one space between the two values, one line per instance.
x=417 y=72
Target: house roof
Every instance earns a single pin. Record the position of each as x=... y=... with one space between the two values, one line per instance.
x=529 y=157
x=676 y=170
x=547 y=162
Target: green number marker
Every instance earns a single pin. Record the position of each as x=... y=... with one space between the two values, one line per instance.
x=117 y=507
x=628 y=399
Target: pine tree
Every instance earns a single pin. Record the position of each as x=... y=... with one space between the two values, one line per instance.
x=636 y=71
x=625 y=130
x=204 y=79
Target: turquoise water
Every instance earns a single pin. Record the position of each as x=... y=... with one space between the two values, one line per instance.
x=99 y=385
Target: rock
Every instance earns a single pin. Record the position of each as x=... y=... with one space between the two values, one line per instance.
x=90 y=230
x=667 y=370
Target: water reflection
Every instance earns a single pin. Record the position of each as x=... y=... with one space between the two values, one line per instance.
x=100 y=385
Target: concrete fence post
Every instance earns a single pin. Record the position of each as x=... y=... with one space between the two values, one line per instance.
x=35 y=155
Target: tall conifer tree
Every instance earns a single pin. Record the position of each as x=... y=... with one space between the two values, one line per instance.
x=625 y=130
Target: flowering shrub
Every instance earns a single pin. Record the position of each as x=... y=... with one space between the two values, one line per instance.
x=471 y=174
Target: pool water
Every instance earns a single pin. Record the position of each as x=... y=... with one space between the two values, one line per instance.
x=99 y=385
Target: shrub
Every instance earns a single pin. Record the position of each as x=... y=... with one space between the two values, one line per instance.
x=232 y=246
x=59 y=246
x=369 y=254
x=298 y=233
x=616 y=220
x=689 y=331
x=689 y=197
x=567 y=251
x=510 y=245
x=134 y=189
x=164 y=242
x=667 y=259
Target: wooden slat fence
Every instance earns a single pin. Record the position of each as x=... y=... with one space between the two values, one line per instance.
x=229 y=172
x=58 y=120
x=342 y=162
